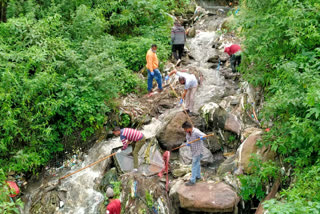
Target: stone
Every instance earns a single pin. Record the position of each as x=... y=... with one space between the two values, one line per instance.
x=173 y=135
x=181 y=171
x=108 y=178
x=186 y=157
x=229 y=165
x=191 y=32
x=214 y=59
x=232 y=124
x=213 y=143
x=249 y=147
x=139 y=191
x=150 y=159
x=216 y=116
x=208 y=197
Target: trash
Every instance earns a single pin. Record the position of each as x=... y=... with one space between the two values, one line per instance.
x=13 y=188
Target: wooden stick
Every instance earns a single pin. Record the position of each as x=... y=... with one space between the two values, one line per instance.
x=209 y=135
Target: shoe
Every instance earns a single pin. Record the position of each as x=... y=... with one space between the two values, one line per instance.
x=189 y=183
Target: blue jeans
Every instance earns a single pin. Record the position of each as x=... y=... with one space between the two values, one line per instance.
x=157 y=76
x=196 y=168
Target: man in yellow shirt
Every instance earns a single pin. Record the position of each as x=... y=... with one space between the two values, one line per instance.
x=152 y=67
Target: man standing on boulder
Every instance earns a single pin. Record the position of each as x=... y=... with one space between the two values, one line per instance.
x=152 y=68
x=178 y=38
x=114 y=206
x=196 y=150
x=190 y=83
x=128 y=135
x=234 y=51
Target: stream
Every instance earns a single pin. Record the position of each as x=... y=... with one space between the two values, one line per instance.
x=78 y=193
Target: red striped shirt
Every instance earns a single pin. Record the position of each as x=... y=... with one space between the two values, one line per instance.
x=128 y=134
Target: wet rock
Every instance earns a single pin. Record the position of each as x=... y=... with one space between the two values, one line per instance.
x=140 y=193
x=186 y=157
x=191 y=32
x=208 y=197
x=214 y=59
x=108 y=178
x=179 y=172
x=173 y=135
x=229 y=165
x=232 y=124
x=216 y=116
x=150 y=159
x=213 y=143
x=249 y=147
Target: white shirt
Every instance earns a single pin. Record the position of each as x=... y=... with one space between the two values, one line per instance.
x=191 y=80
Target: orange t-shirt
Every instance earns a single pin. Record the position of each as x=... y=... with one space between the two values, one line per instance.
x=152 y=60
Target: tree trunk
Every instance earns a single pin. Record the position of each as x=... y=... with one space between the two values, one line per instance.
x=3 y=10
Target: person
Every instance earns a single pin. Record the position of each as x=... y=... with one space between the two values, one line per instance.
x=196 y=150
x=190 y=83
x=114 y=206
x=178 y=38
x=234 y=51
x=152 y=68
x=137 y=138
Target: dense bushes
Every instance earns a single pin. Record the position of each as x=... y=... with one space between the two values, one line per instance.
x=61 y=65
x=282 y=40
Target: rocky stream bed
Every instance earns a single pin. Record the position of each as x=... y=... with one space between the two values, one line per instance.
x=224 y=106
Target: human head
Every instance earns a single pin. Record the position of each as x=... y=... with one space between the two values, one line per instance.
x=182 y=80
x=116 y=131
x=154 y=47
x=109 y=192
x=187 y=127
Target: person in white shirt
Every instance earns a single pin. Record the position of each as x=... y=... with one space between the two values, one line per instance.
x=190 y=83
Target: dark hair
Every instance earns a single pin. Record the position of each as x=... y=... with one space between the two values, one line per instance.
x=186 y=125
x=117 y=128
x=154 y=45
x=182 y=79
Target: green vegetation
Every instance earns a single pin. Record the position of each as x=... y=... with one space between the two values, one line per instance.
x=281 y=53
x=62 y=64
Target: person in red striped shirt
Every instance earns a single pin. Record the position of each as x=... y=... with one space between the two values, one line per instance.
x=136 y=138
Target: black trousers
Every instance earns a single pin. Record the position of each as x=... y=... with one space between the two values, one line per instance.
x=235 y=61
x=178 y=48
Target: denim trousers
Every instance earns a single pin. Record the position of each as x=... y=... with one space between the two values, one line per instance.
x=196 y=168
x=157 y=76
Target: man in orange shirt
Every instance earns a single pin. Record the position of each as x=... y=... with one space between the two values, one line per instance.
x=152 y=67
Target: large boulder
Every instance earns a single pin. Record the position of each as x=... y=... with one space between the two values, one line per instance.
x=217 y=116
x=173 y=135
x=150 y=159
x=229 y=165
x=140 y=194
x=208 y=197
x=249 y=147
x=186 y=156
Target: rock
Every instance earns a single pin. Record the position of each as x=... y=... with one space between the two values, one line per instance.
x=186 y=158
x=140 y=193
x=150 y=159
x=248 y=131
x=173 y=135
x=191 y=32
x=223 y=57
x=216 y=116
x=232 y=124
x=249 y=147
x=214 y=59
x=229 y=165
x=213 y=143
x=208 y=197
x=181 y=171
x=108 y=178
